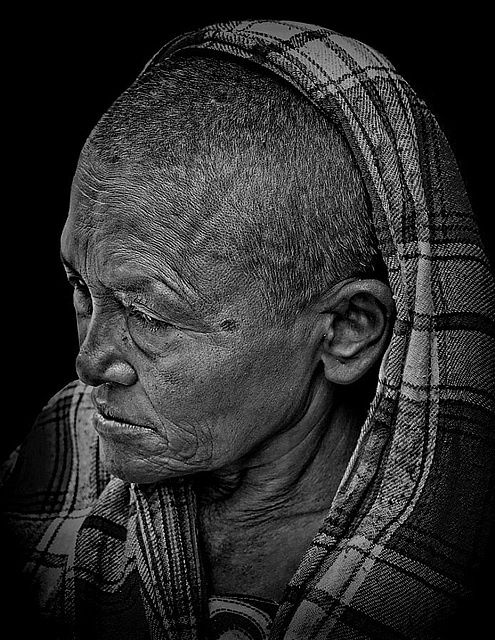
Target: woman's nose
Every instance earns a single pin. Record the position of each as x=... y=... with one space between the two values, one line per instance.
x=101 y=359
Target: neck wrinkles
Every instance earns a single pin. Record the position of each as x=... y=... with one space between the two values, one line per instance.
x=294 y=475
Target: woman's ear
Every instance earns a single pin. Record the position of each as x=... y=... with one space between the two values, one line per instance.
x=358 y=318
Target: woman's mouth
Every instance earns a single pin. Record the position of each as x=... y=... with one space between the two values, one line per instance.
x=105 y=424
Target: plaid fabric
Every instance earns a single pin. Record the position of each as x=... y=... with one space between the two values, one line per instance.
x=407 y=529
x=104 y=559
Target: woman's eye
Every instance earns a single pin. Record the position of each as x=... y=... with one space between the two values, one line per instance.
x=139 y=318
x=80 y=286
x=77 y=283
x=149 y=332
x=81 y=296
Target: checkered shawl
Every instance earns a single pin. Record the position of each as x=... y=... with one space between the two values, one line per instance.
x=406 y=532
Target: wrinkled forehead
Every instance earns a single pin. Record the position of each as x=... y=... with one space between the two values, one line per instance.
x=178 y=204
x=134 y=191
x=162 y=224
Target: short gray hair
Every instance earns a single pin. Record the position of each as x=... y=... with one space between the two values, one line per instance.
x=296 y=208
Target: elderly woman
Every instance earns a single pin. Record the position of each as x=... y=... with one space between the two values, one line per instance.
x=284 y=412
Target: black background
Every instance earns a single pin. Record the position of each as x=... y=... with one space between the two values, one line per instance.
x=63 y=68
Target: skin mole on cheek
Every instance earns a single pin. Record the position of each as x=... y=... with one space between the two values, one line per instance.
x=229 y=325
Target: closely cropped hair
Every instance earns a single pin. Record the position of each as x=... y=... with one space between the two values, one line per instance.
x=294 y=209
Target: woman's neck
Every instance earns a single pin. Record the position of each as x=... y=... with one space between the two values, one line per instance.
x=258 y=518
x=297 y=472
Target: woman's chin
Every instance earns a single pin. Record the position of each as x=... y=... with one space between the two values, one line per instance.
x=136 y=470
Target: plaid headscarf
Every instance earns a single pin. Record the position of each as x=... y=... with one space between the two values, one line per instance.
x=398 y=551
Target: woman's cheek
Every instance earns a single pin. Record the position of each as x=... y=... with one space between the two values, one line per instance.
x=191 y=385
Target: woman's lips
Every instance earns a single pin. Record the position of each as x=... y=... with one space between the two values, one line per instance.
x=106 y=424
x=107 y=417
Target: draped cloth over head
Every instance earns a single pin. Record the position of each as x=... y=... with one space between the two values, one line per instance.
x=408 y=526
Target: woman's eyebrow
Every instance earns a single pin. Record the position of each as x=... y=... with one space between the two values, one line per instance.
x=153 y=283
x=149 y=289
x=141 y=283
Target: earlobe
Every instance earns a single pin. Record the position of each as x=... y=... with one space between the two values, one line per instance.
x=358 y=321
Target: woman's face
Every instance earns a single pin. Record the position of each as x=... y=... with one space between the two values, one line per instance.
x=190 y=371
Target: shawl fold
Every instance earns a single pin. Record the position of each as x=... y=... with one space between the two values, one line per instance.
x=399 y=549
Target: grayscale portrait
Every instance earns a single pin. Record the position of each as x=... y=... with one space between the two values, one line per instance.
x=281 y=419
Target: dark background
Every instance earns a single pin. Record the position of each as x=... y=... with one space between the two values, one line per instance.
x=63 y=69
